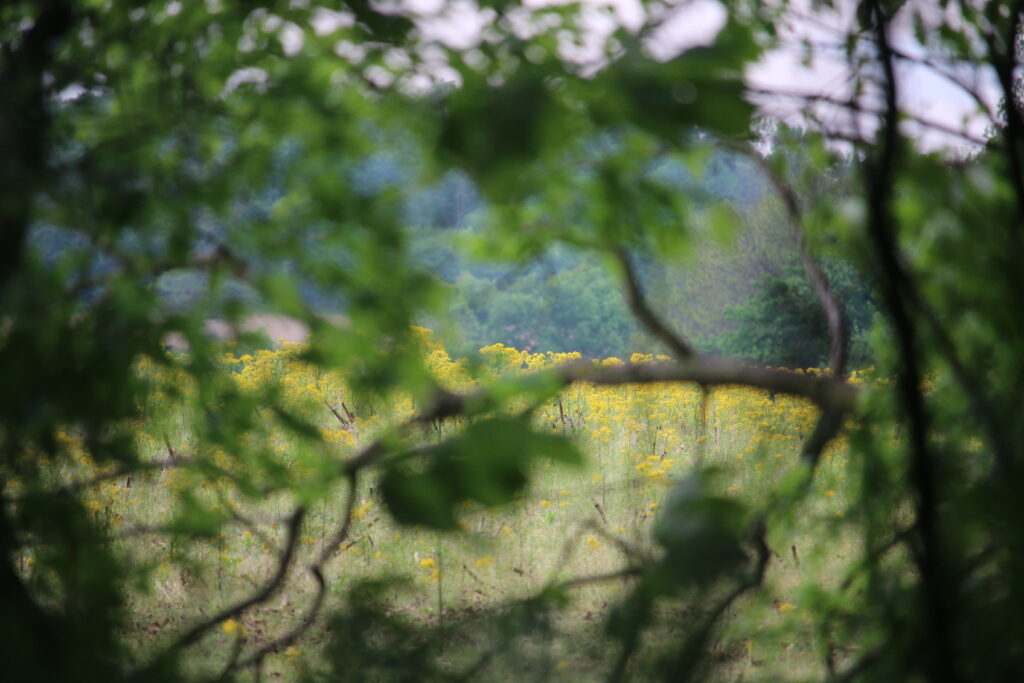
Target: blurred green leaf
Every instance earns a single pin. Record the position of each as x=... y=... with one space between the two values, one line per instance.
x=488 y=463
x=700 y=532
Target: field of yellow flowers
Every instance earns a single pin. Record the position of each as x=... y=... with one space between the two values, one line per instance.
x=572 y=522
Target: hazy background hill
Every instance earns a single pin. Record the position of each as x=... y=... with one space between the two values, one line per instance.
x=738 y=289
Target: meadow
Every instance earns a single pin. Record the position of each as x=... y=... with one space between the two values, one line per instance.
x=575 y=528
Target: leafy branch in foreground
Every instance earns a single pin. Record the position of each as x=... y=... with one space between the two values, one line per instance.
x=274 y=149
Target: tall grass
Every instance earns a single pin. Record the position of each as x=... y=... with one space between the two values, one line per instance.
x=571 y=523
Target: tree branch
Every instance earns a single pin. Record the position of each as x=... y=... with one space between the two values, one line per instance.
x=269 y=589
x=78 y=486
x=679 y=347
x=940 y=662
x=25 y=126
x=1005 y=66
x=683 y=667
x=826 y=296
x=316 y=569
x=827 y=392
x=845 y=104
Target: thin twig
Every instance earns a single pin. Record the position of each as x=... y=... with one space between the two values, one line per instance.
x=625 y=573
x=78 y=486
x=845 y=104
x=682 y=666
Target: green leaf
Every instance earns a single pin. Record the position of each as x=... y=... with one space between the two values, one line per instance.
x=297 y=424
x=419 y=498
x=699 y=532
x=489 y=463
x=494 y=133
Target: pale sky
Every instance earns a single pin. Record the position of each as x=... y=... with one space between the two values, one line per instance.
x=924 y=94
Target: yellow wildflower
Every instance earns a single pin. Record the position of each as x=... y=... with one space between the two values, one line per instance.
x=232 y=626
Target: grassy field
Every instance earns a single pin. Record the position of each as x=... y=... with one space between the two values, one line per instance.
x=572 y=527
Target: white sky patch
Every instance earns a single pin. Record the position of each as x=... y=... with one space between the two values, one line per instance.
x=459 y=24
x=250 y=74
x=690 y=25
x=72 y=92
x=291 y=38
x=788 y=71
x=326 y=21
x=923 y=93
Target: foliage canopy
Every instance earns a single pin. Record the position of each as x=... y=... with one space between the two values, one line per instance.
x=233 y=139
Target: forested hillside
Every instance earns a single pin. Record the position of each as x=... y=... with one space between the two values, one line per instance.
x=755 y=302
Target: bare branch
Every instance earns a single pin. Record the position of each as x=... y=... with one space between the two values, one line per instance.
x=316 y=569
x=501 y=644
x=679 y=347
x=682 y=666
x=826 y=296
x=284 y=563
x=873 y=111
x=716 y=370
x=827 y=392
x=345 y=424
x=256 y=658
x=135 y=468
x=941 y=70
x=576 y=582
x=330 y=548
x=827 y=426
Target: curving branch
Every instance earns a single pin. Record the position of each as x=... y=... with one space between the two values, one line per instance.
x=642 y=311
x=316 y=569
x=829 y=393
x=943 y=71
x=860 y=107
x=833 y=395
x=683 y=666
x=825 y=391
x=197 y=632
x=75 y=487
x=827 y=299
